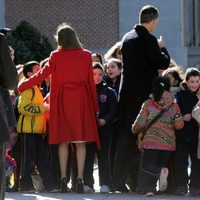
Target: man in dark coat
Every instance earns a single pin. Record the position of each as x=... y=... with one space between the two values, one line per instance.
x=8 y=80
x=142 y=56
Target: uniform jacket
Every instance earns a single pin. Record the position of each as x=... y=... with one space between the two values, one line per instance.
x=161 y=135
x=107 y=100
x=141 y=58
x=187 y=101
x=114 y=86
x=73 y=99
x=32 y=117
x=8 y=80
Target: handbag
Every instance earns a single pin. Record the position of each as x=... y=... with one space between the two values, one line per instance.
x=143 y=131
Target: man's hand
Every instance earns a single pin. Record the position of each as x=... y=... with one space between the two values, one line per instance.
x=160 y=42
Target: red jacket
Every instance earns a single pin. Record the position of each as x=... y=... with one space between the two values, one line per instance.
x=73 y=100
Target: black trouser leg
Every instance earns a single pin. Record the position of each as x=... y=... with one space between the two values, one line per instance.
x=181 y=164
x=124 y=157
x=2 y=170
x=195 y=166
x=103 y=158
x=89 y=163
x=55 y=162
x=27 y=159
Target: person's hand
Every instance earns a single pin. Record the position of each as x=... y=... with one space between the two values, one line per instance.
x=160 y=42
x=101 y=122
x=187 y=117
x=47 y=107
x=198 y=103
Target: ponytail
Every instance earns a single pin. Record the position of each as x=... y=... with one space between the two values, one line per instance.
x=160 y=85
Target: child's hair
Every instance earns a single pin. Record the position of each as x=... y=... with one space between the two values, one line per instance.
x=174 y=73
x=191 y=72
x=160 y=85
x=97 y=65
x=117 y=61
x=28 y=67
x=43 y=62
x=66 y=37
x=112 y=52
x=99 y=56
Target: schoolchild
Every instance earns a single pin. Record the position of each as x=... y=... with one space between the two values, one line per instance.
x=32 y=129
x=113 y=74
x=97 y=57
x=108 y=108
x=159 y=139
x=175 y=79
x=187 y=138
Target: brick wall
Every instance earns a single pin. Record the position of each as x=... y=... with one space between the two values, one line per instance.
x=95 y=21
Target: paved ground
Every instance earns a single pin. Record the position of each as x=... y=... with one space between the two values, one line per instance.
x=96 y=196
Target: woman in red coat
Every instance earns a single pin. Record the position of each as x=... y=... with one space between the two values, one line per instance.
x=73 y=100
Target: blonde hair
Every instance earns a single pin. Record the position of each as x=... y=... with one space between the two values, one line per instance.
x=111 y=53
x=66 y=37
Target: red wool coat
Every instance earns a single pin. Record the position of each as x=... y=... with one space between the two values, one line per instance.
x=73 y=100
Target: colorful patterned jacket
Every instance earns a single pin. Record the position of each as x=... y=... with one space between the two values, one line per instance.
x=161 y=134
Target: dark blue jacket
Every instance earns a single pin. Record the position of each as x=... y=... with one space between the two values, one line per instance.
x=186 y=101
x=107 y=100
x=114 y=86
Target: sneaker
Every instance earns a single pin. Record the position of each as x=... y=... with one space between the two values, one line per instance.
x=88 y=189
x=104 y=189
x=149 y=194
x=181 y=190
x=163 y=179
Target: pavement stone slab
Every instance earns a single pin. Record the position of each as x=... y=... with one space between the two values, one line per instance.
x=95 y=196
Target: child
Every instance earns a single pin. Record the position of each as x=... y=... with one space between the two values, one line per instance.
x=159 y=140
x=175 y=79
x=187 y=138
x=97 y=57
x=114 y=70
x=108 y=107
x=114 y=52
x=32 y=128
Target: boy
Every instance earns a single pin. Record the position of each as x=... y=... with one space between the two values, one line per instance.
x=32 y=128
x=187 y=138
x=108 y=108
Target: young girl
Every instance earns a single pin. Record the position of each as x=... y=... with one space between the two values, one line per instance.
x=114 y=52
x=175 y=79
x=159 y=139
x=73 y=100
x=113 y=71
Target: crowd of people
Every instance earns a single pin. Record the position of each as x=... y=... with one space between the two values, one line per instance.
x=133 y=112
